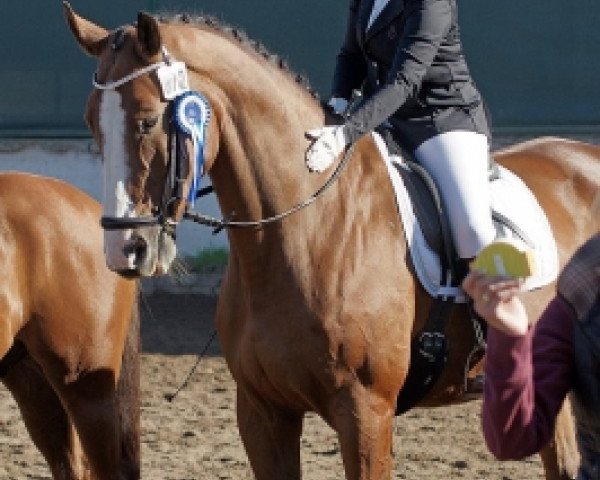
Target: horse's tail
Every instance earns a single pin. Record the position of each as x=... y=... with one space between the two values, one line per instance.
x=128 y=397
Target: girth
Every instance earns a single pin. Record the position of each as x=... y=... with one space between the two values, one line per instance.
x=15 y=354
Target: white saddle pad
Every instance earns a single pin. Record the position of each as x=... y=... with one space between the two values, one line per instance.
x=510 y=197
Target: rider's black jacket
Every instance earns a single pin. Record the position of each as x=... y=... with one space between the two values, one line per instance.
x=411 y=70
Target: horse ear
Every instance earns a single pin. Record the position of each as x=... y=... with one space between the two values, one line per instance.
x=148 y=34
x=91 y=37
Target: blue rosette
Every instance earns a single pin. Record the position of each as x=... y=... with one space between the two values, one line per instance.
x=192 y=114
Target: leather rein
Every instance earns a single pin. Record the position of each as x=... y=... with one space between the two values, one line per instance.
x=219 y=224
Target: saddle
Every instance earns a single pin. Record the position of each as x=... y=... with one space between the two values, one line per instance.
x=515 y=213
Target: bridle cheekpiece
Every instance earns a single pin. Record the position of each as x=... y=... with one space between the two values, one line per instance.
x=189 y=116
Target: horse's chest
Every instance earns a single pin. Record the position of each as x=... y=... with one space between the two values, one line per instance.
x=277 y=362
x=277 y=371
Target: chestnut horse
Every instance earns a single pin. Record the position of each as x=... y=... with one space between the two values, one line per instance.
x=316 y=310
x=69 y=340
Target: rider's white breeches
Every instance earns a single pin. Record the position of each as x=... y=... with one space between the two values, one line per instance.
x=458 y=163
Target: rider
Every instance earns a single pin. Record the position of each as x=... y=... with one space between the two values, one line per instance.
x=530 y=371
x=406 y=56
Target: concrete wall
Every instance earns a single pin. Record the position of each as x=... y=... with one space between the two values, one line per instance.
x=78 y=162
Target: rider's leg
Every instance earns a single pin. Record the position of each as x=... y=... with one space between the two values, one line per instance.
x=458 y=163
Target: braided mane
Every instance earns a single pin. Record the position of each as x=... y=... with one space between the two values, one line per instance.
x=242 y=38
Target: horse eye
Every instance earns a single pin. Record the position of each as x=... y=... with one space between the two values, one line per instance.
x=146 y=124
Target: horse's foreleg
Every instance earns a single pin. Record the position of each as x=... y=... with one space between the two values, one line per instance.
x=561 y=456
x=46 y=421
x=364 y=425
x=271 y=437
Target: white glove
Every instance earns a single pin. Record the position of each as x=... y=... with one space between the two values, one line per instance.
x=329 y=143
x=338 y=105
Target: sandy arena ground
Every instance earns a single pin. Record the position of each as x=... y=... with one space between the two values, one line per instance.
x=195 y=436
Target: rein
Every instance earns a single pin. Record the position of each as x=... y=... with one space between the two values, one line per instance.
x=220 y=224
x=174 y=182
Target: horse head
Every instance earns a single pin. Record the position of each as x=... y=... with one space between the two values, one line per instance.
x=256 y=114
x=149 y=167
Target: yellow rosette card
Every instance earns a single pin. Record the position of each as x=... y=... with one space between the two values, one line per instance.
x=506 y=258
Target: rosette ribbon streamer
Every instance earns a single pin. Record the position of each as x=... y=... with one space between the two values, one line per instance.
x=191 y=115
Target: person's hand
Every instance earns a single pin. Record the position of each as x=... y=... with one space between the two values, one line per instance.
x=497 y=300
x=328 y=143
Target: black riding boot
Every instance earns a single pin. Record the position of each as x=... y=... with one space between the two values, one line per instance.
x=462 y=268
x=473 y=383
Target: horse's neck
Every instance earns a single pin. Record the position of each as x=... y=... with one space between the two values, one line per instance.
x=263 y=115
x=257 y=178
x=260 y=169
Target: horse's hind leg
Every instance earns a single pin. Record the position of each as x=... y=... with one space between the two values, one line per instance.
x=561 y=456
x=106 y=415
x=46 y=421
x=271 y=437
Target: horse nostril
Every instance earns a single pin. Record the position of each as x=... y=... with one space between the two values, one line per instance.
x=137 y=247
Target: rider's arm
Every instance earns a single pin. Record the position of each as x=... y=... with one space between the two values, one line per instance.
x=351 y=66
x=427 y=24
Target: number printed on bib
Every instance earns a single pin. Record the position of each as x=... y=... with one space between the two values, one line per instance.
x=173 y=80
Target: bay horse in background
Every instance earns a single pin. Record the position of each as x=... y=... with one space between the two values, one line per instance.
x=70 y=340
x=316 y=311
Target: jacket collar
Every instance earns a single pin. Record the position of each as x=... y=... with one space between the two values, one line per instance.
x=389 y=12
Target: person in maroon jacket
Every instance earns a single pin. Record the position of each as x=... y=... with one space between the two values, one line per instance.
x=406 y=58
x=530 y=370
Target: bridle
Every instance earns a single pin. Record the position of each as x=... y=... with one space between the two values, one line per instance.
x=178 y=161
x=174 y=184
x=173 y=191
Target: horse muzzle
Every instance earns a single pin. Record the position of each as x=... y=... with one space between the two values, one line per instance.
x=145 y=250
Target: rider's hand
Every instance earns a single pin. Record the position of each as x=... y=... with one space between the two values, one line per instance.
x=497 y=300
x=328 y=143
